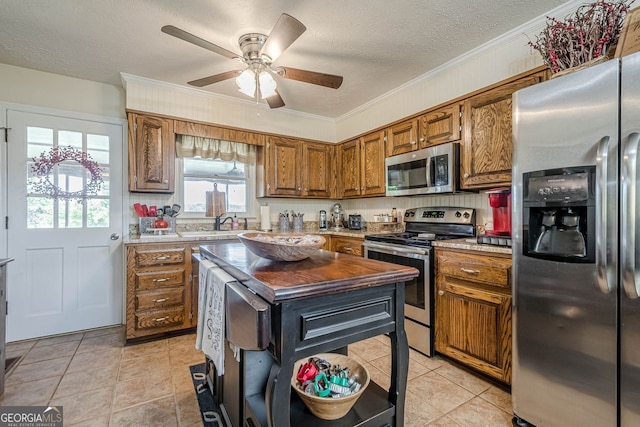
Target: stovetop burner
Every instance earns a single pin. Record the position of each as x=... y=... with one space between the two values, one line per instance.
x=425 y=225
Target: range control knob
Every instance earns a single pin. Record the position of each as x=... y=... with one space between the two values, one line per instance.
x=458 y=214
x=466 y=215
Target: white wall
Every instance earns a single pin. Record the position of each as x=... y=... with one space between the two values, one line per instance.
x=31 y=87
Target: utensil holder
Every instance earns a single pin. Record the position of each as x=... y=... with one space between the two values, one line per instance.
x=146 y=225
x=298 y=224
x=283 y=223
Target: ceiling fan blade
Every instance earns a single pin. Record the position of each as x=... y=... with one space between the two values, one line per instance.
x=328 y=80
x=275 y=101
x=284 y=33
x=205 y=81
x=188 y=37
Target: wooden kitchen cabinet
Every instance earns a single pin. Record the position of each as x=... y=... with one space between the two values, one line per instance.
x=317 y=170
x=440 y=126
x=347 y=245
x=486 y=145
x=284 y=167
x=361 y=162
x=151 y=154
x=473 y=310
x=159 y=293
x=402 y=137
x=297 y=168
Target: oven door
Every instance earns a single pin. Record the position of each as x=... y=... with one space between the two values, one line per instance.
x=419 y=290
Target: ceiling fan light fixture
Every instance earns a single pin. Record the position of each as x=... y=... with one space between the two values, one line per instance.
x=246 y=82
x=267 y=84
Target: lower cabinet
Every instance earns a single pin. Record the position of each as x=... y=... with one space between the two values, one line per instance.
x=347 y=245
x=159 y=293
x=473 y=310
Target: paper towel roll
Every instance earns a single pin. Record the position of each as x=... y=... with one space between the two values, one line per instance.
x=265 y=218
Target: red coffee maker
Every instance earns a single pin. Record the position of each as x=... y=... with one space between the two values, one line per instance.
x=500 y=202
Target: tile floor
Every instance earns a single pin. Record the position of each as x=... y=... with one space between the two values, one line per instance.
x=100 y=382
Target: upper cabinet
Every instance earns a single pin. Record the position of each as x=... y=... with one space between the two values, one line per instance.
x=486 y=146
x=283 y=169
x=440 y=126
x=151 y=154
x=361 y=163
x=402 y=137
x=317 y=170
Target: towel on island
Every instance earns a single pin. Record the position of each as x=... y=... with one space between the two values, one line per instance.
x=210 y=336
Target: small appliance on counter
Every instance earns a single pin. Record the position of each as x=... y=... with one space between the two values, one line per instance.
x=355 y=222
x=337 y=217
x=322 y=220
x=500 y=203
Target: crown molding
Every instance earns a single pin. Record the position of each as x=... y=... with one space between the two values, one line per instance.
x=144 y=81
x=532 y=26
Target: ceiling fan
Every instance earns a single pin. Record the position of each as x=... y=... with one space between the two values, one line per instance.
x=258 y=53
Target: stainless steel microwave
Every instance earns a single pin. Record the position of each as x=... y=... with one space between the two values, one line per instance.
x=432 y=170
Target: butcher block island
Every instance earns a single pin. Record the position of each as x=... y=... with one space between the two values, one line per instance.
x=317 y=305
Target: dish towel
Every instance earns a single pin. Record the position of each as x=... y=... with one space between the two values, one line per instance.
x=210 y=333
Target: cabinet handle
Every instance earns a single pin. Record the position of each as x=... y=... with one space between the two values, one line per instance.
x=413 y=143
x=468 y=270
x=161 y=300
x=166 y=181
x=440 y=293
x=421 y=139
x=160 y=319
x=160 y=280
x=160 y=258
x=348 y=249
x=466 y=175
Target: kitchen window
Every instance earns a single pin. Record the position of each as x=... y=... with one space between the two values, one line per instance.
x=204 y=162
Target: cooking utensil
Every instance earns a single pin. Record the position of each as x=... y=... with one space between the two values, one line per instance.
x=176 y=209
x=153 y=211
x=168 y=211
x=138 y=209
x=145 y=210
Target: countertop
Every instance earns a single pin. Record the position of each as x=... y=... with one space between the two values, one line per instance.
x=202 y=236
x=471 y=245
x=323 y=273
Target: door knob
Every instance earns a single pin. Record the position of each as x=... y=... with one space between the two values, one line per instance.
x=114 y=236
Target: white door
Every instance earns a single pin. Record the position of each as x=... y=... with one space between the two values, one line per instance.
x=67 y=273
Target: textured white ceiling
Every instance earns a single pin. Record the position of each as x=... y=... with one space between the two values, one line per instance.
x=377 y=45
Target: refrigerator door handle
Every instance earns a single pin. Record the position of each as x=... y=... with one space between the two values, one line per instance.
x=602 y=267
x=629 y=231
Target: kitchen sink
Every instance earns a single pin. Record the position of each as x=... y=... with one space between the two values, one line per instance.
x=206 y=233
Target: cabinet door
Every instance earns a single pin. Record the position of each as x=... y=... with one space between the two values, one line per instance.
x=285 y=167
x=440 y=126
x=350 y=166
x=347 y=245
x=151 y=154
x=317 y=170
x=485 y=154
x=402 y=137
x=373 y=177
x=473 y=325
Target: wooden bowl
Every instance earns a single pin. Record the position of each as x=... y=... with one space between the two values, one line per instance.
x=282 y=246
x=329 y=408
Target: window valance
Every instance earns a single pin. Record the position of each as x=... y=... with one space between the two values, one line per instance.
x=209 y=148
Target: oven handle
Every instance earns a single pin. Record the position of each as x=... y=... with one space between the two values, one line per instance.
x=394 y=249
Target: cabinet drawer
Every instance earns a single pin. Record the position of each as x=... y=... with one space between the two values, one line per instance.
x=477 y=268
x=151 y=257
x=160 y=318
x=156 y=279
x=157 y=300
x=347 y=246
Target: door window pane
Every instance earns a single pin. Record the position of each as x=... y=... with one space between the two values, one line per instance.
x=39 y=212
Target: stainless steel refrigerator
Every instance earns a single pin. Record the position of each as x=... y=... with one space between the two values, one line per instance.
x=576 y=243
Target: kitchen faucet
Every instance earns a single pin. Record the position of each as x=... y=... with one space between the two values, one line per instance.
x=218 y=223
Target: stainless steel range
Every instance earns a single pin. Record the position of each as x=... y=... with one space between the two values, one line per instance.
x=413 y=248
